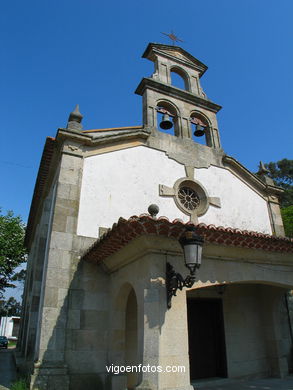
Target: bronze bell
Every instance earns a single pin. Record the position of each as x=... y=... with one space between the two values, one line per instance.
x=166 y=124
x=199 y=131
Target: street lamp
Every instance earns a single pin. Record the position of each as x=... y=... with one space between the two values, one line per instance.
x=192 y=249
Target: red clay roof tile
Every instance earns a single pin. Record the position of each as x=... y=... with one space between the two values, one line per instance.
x=126 y=230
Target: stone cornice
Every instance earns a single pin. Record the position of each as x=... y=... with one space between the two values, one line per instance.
x=235 y=166
x=164 y=50
x=100 y=137
x=169 y=90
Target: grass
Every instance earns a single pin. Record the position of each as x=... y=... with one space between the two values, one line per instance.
x=20 y=384
x=12 y=344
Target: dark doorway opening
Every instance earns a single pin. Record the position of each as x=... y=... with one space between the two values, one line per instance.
x=206 y=337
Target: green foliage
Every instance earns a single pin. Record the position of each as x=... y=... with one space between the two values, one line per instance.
x=287 y=215
x=20 y=384
x=12 y=343
x=281 y=171
x=10 y=307
x=282 y=174
x=12 y=250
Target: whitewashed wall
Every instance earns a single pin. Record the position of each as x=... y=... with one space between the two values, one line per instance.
x=6 y=326
x=124 y=183
x=241 y=207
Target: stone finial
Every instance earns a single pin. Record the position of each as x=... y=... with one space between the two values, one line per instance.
x=153 y=210
x=263 y=174
x=262 y=170
x=74 y=120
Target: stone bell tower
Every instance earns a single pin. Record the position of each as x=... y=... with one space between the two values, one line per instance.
x=188 y=111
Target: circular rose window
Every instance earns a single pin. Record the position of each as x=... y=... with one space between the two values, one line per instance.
x=188 y=198
x=191 y=197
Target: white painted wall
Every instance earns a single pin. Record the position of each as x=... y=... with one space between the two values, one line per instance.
x=125 y=182
x=6 y=326
x=241 y=207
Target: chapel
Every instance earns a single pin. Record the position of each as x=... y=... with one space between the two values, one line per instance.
x=150 y=246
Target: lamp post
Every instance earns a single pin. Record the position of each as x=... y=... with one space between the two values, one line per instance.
x=192 y=249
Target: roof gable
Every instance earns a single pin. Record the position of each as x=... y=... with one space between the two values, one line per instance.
x=176 y=53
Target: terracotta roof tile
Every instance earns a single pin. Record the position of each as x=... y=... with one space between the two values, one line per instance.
x=126 y=230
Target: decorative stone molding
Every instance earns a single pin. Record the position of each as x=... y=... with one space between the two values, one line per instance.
x=190 y=195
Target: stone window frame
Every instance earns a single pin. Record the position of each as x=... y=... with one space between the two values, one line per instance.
x=201 y=192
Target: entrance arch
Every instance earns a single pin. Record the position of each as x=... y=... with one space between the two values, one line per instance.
x=256 y=337
x=131 y=342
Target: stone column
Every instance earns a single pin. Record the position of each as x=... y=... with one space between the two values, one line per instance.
x=149 y=112
x=24 y=323
x=50 y=368
x=151 y=337
x=165 y=337
x=276 y=217
x=271 y=301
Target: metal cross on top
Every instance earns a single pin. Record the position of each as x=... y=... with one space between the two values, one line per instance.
x=173 y=37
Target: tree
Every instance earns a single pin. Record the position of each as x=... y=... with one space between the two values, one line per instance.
x=287 y=215
x=282 y=174
x=10 y=307
x=12 y=250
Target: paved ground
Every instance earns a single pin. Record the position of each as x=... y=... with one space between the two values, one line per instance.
x=7 y=368
x=257 y=384
x=8 y=375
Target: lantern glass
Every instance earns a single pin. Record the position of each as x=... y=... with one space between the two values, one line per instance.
x=192 y=248
x=192 y=255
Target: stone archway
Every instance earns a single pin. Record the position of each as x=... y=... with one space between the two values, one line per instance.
x=256 y=331
x=131 y=339
x=124 y=336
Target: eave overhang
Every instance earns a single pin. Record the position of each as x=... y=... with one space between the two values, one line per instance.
x=102 y=136
x=44 y=168
x=125 y=231
x=170 y=90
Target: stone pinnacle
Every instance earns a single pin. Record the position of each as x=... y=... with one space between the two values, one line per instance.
x=74 y=120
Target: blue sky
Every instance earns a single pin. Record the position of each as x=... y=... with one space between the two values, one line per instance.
x=55 y=54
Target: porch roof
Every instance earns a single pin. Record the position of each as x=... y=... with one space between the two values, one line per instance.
x=125 y=231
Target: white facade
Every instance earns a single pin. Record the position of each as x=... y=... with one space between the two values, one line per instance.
x=117 y=183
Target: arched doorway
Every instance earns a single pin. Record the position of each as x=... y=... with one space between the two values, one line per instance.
x=131 y=353
x=237 y=331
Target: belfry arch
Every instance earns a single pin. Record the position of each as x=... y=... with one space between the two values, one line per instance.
x=188 y=96
x=165 y=107
x=182 y=74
